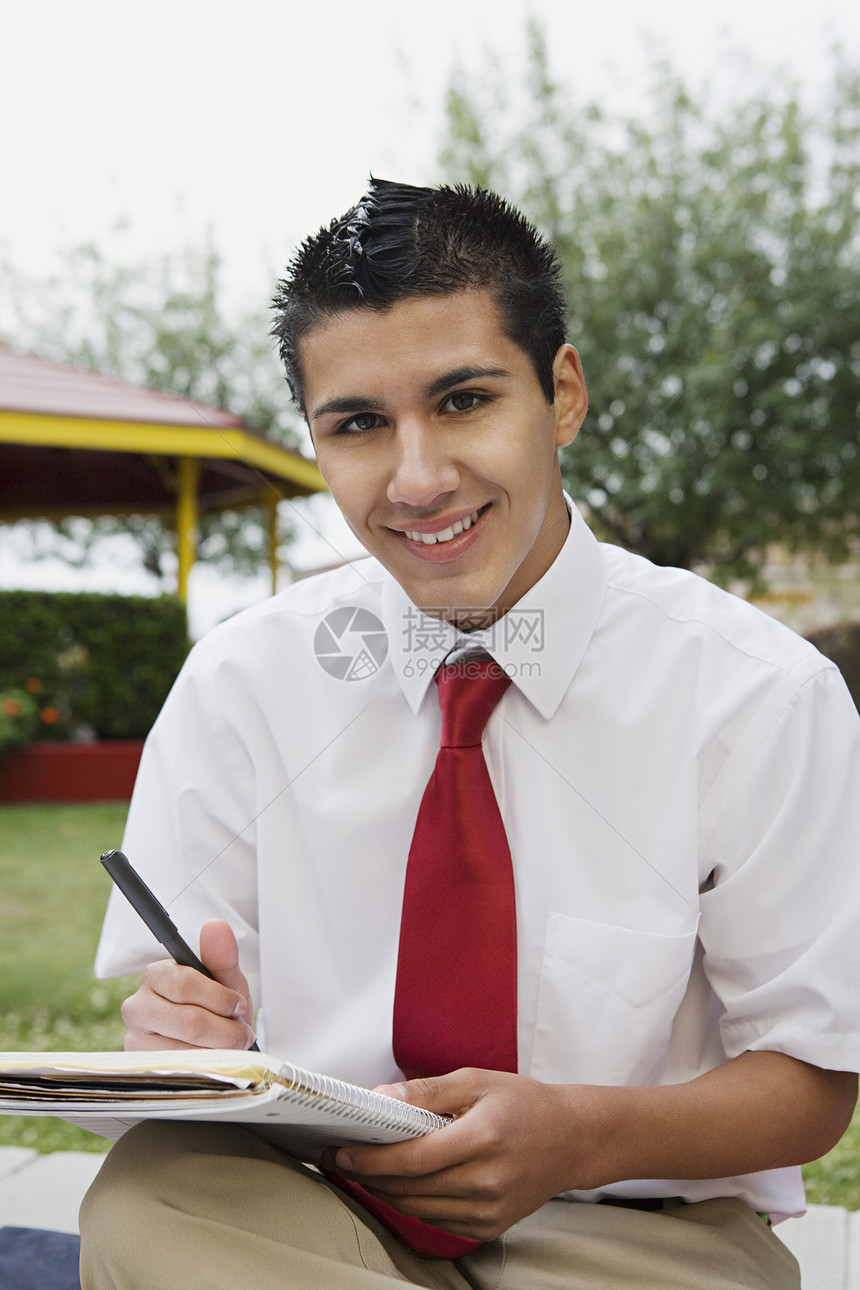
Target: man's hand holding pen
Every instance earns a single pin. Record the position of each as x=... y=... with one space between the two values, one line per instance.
x=177 y=1007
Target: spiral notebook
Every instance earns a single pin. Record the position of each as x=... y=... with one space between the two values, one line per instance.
x=297 y=1109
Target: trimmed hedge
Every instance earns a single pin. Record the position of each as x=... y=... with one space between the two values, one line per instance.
x=842 y=645
x=97 y=665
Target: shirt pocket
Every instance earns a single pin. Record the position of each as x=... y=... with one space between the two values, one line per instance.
x=606 y=1002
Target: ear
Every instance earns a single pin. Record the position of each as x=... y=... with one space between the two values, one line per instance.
x=571 y=396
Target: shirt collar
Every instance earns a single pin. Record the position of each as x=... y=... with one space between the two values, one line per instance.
x=540 y=642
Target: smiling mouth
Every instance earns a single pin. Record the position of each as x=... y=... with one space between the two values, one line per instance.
x=446 y=535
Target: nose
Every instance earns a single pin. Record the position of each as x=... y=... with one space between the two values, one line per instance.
x=422 y=470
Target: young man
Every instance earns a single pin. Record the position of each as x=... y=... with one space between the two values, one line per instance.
x=678 y=784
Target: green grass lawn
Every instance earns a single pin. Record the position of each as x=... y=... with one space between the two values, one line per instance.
x=53 y=892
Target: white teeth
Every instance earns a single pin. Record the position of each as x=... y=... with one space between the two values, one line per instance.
x=444 y=535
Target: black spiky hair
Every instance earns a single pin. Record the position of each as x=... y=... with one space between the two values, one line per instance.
x=403 y=242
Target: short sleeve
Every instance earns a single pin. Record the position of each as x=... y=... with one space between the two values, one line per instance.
x=190 y=831
x=780 y=922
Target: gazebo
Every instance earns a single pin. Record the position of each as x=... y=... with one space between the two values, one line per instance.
x=73 y=443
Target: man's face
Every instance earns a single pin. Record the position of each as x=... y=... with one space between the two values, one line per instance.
x=440 y=449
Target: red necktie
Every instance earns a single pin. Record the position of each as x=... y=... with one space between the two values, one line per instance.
x=455 y=1000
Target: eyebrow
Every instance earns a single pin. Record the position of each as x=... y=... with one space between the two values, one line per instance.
x=354 y=403
x=458 y=376
x=358 y=403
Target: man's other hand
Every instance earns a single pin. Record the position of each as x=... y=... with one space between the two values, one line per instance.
x=515 y=1143
x=497 y=1162
x=176 y=1007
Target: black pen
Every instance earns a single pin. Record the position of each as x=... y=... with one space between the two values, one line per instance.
x=154 y=914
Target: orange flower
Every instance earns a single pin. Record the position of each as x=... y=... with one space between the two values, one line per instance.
x=32 y=685
x=11 y=707
x=50 y=716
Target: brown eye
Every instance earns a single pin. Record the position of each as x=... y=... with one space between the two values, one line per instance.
x=360 y=423
x=462 y=401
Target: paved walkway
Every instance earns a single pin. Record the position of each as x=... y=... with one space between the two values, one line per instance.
x=45 y=1191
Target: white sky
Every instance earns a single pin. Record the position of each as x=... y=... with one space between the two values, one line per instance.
x=263 y=121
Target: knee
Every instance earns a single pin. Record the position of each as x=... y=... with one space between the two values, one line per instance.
x=163 y=1165
x=121 y=1183
x=117 y=1213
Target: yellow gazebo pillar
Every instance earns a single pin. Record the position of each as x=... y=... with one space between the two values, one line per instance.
x=187 y=514
x=272 y=500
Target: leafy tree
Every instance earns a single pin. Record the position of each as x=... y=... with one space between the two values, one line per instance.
x=711 y=262
x=159 y=323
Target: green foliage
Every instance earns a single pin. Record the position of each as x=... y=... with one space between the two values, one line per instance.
x=162 y=323
x=19 y=718
x=711 y=264
x=98 y=664
x=54 y=897
x=835 y=1178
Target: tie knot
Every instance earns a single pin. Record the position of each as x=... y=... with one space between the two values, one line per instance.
x=468 y=693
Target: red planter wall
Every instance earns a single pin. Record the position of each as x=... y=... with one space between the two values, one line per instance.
x=68 y=772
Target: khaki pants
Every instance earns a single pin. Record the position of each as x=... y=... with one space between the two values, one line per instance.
x=213 y=1207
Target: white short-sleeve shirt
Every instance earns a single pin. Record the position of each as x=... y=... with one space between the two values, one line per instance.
x=678 y=774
